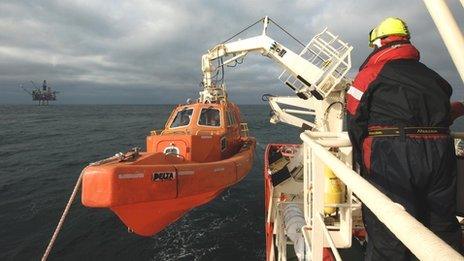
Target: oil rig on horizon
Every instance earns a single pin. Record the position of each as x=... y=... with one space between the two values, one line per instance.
x=43 y=96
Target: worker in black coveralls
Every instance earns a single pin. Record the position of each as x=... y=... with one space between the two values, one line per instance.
x=399 y=113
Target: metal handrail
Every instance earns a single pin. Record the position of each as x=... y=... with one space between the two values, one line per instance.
x=335 y=252
x=205 y=132
x=449 y=31
x=156 y=132
x=244 y=131
x=174 y=131
x=413 y=234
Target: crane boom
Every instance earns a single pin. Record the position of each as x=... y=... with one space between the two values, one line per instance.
x=267 y=47
x=304 y=70
x=318 y=71
x=24 y=89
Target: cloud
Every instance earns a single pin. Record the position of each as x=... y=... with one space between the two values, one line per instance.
x=149 y=51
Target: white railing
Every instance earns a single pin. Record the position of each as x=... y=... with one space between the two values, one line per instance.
x=318 y=234
x=449 y=31
x=421 y=241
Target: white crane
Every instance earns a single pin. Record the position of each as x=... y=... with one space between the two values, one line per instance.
x=316 y=75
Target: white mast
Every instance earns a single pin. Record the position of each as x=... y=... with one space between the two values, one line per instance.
x=449 y=31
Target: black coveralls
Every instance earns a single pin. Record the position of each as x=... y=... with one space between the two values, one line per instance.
x=393 y=89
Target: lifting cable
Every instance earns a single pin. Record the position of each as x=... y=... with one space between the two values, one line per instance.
x=220 y=61
x=248 y=27
x=285 y=31
x=245 y=29
x=260 y=20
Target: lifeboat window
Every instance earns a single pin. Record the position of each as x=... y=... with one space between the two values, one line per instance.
x=182 y=118
x=223 y=143
x=209 y=117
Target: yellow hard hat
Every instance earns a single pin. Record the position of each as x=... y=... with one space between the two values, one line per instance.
x=389 y=26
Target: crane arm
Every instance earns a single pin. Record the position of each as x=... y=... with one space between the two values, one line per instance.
x=314 y=74
x=300 y=67
x=305 y=71
x=24 y=89
x=318 y=71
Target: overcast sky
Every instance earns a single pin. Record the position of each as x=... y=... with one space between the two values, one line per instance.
x=148 y=52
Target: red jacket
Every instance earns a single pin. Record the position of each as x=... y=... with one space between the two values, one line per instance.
x=393 y=88
x=369 y=71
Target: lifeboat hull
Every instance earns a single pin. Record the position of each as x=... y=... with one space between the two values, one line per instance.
x=155 y=190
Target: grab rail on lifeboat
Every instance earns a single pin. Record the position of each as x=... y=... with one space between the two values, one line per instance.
x=170 y=131
x=204 y=132
x=244 y=131
x=156 y=132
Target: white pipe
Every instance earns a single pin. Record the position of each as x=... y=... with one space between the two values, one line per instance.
x=421 y=241
x=335 y=142
x=449 y=31
x=299 y=111
x=321 y=134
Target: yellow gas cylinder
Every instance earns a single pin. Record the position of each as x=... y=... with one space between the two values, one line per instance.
x=333 y=192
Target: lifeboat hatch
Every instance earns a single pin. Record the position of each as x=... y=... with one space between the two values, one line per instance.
x=173 y=147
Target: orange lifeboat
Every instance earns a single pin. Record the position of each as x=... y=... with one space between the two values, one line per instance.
x=203 y=149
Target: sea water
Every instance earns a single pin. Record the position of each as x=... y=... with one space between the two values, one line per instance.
x=44 y=148
x=42 y=152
